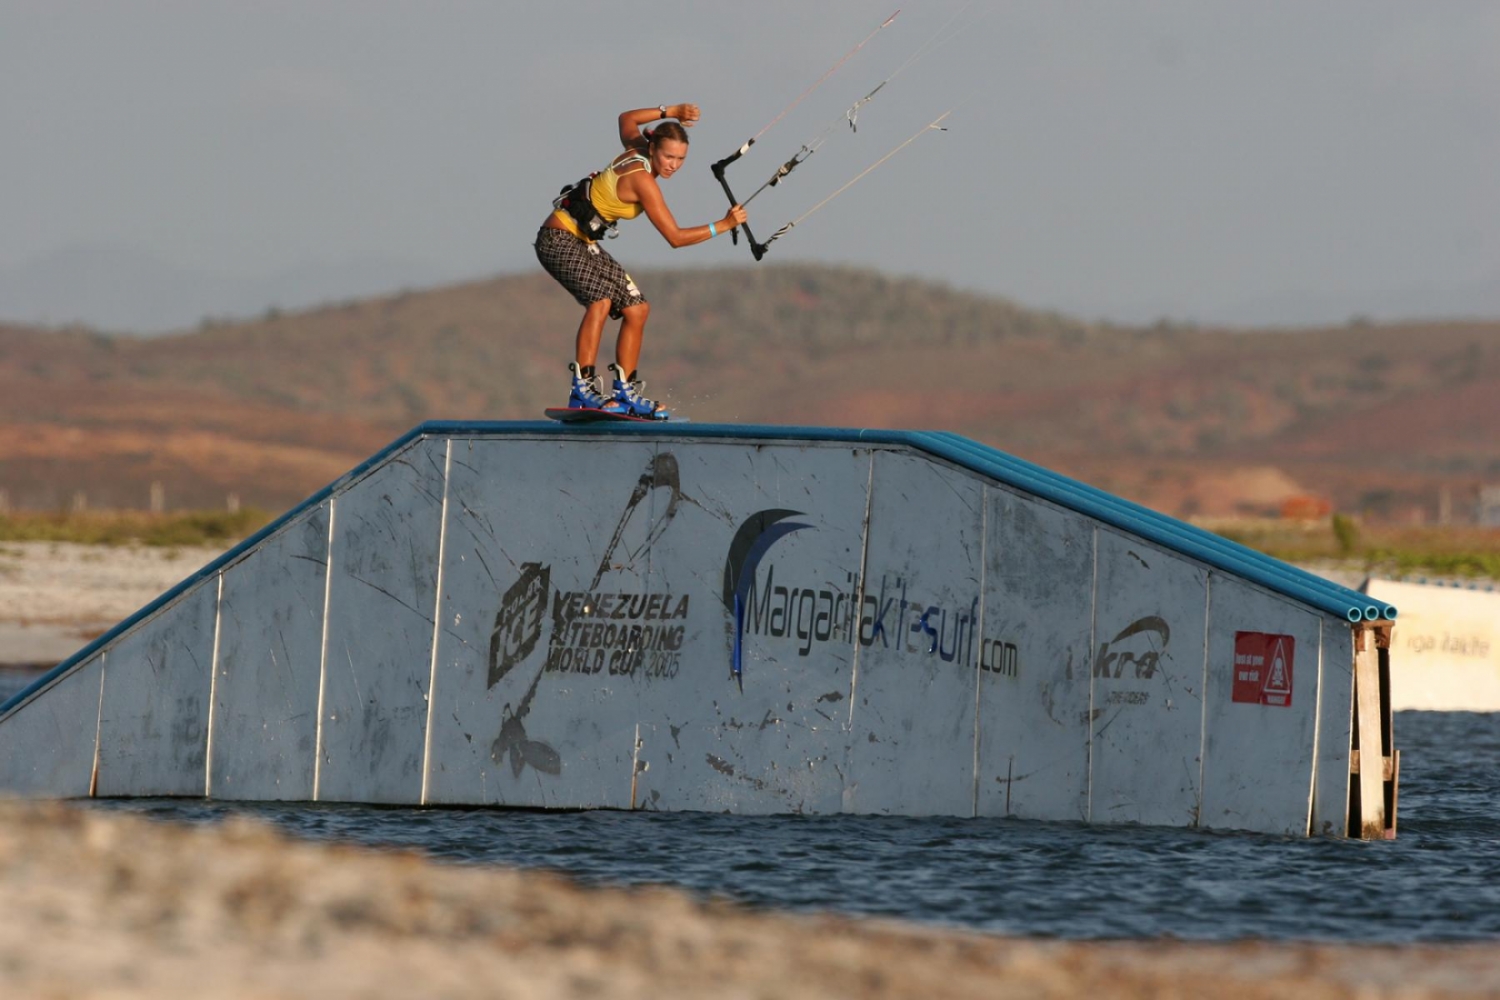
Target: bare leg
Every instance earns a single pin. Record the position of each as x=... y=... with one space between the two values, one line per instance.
x=586 y=350
x=632 y=331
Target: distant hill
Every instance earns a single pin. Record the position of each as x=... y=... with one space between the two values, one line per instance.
x=1377 y=417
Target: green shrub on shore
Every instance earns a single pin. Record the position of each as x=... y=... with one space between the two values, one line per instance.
x=125 y=527
x=1392 y=550
x=1346 y=533
x=1460 y=564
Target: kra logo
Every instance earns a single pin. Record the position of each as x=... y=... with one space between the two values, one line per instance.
x=1112 y=660
x=751 y=542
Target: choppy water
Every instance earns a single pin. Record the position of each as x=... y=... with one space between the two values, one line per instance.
x=1438 y=881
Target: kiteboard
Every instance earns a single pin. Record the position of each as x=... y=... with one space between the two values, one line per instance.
x=585 y=415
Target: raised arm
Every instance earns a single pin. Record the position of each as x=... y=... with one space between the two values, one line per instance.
x=631 y=122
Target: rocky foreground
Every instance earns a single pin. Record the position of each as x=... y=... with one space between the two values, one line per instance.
x=99 y=904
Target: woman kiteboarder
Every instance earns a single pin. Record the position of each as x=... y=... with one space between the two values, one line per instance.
x=567 y=247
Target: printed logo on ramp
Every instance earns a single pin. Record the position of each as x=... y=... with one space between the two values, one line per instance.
x=751 y=542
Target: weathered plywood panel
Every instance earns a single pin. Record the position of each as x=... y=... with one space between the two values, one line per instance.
x=914 y=694
x=153 y=725
x=265 y=717
x=377 y=661
x=551 y=628
x=1261 y=710
x=47 y=745
x=1035 y=660
x=776 y=532
x=1148 y=675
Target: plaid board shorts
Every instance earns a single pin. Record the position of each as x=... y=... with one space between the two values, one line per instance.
x=586 y=270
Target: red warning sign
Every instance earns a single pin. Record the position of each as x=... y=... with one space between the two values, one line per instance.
x=1263 y=668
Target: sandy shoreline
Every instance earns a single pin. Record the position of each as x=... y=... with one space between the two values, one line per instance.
x=107 y=904
x=55 y=597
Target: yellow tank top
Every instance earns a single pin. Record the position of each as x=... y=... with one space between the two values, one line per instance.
x=604 y=193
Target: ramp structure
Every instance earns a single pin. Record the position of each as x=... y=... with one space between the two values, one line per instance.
x=742 y=619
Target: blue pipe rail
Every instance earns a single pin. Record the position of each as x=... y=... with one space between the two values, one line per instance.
x=1187 y=538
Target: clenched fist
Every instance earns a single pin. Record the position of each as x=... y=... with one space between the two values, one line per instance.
x=686 y=113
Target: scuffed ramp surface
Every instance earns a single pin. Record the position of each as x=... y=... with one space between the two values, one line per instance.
x=47 y=747
x=378 y=646
x=270 y=660
x=1034 y=725
x=153 y=719
x=531 y=707
x=751 y=620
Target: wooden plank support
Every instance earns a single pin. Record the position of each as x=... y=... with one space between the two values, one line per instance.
x=1387 y=768
x=1372 y=726
x=1383 y=631
x=1393 y=786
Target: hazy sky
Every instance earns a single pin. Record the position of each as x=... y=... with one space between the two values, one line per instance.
x=1184 y=157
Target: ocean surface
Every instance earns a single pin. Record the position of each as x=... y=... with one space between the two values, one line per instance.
x=1439 y=881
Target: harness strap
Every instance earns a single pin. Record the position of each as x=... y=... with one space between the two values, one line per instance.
x=576 y=200
x=635 y=157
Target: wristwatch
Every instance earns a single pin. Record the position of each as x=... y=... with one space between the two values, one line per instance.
x=663 y=109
